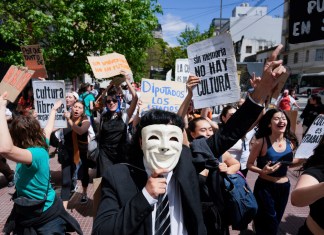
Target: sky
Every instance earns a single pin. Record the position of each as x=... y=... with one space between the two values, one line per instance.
x=177 y=14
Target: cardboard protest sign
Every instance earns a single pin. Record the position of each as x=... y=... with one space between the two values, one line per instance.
x=165 y=95
x=108 y=65
x=292 y=115
x=213 y=60
x=182 y=70
x=34 y=60
x=15 y=81
x=282 y=80
x=312 y=138
x=46 y=93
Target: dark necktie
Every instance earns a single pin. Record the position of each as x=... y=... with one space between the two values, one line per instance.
x=162 y=216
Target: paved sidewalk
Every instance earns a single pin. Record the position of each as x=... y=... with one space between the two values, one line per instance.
x=293 y=218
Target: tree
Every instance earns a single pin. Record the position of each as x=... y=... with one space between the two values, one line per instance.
x=190 y=36
x=69 y=31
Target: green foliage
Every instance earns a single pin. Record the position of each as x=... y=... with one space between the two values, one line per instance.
x=69 y=31
x=190 y=36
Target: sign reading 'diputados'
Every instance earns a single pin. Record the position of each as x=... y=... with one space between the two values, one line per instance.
x=109 y=65
x=306 y=21
x=213 y=60
x=165 y=95
x=34 y=60
x=182 y=70
x=15 y=81
x=312 y=138
x=46 y=93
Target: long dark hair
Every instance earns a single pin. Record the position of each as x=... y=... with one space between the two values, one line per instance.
x=26 y=132
x=317 y=158
x=152 y=117
x=264 y=130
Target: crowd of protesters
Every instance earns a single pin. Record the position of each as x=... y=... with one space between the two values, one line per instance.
x=156 y=159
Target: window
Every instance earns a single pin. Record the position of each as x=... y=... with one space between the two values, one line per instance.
x=319 y=56
x=248 y=49
x=307 y=56
x=266 y=47
x=296 y=58
x=260 y=48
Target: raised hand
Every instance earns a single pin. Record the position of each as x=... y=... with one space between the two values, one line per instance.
x=156 y=184
x=3 y=99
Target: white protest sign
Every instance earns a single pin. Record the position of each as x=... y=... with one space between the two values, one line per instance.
x=165 y=95
x=213 y=60
x=312 y=138
x=182 y=70
x=46 y=93
x=168 y=76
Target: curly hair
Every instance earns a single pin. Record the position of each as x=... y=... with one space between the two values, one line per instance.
x=264 y=130
x=26 y=132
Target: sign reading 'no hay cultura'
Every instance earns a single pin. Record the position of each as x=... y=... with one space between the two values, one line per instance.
x=213 y=60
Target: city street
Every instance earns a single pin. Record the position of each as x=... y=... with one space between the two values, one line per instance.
x=293 y=218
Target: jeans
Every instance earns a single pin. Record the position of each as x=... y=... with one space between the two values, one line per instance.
x=272 y=199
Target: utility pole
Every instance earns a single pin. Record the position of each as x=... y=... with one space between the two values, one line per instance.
x=220 y=15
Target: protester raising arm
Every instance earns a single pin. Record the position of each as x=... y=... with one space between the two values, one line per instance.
x=51 y=120
x=7 y=148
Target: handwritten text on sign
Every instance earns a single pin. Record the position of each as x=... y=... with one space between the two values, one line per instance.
x=14 y=81
x=182 y=70
x=165 y=95
x=46 y=93
x=108 y=65
x=34 y=60
x=312 y=138
x=214 y=62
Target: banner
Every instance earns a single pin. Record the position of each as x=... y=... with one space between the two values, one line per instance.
x=182 y=70
x=108 y=65
x=312 y=138
x=306 y=21
x=213 y=60
x=46 y=93
x=15 y=81
x=165 y=95
x=34 y=60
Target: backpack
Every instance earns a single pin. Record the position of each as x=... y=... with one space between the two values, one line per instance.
x=240 y=203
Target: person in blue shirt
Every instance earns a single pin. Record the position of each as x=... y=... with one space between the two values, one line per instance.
x=26 y=144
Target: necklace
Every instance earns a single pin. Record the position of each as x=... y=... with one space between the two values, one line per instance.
x=280 y=142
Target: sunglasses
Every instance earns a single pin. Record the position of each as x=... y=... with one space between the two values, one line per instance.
x=112 y=100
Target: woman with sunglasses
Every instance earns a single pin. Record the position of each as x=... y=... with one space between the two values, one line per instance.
x=113 y=127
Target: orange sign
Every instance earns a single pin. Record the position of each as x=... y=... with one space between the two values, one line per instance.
x=108 y=65
x=14 y=81
x=34 y=60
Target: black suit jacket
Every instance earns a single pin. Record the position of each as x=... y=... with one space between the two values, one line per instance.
x=125 y=210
